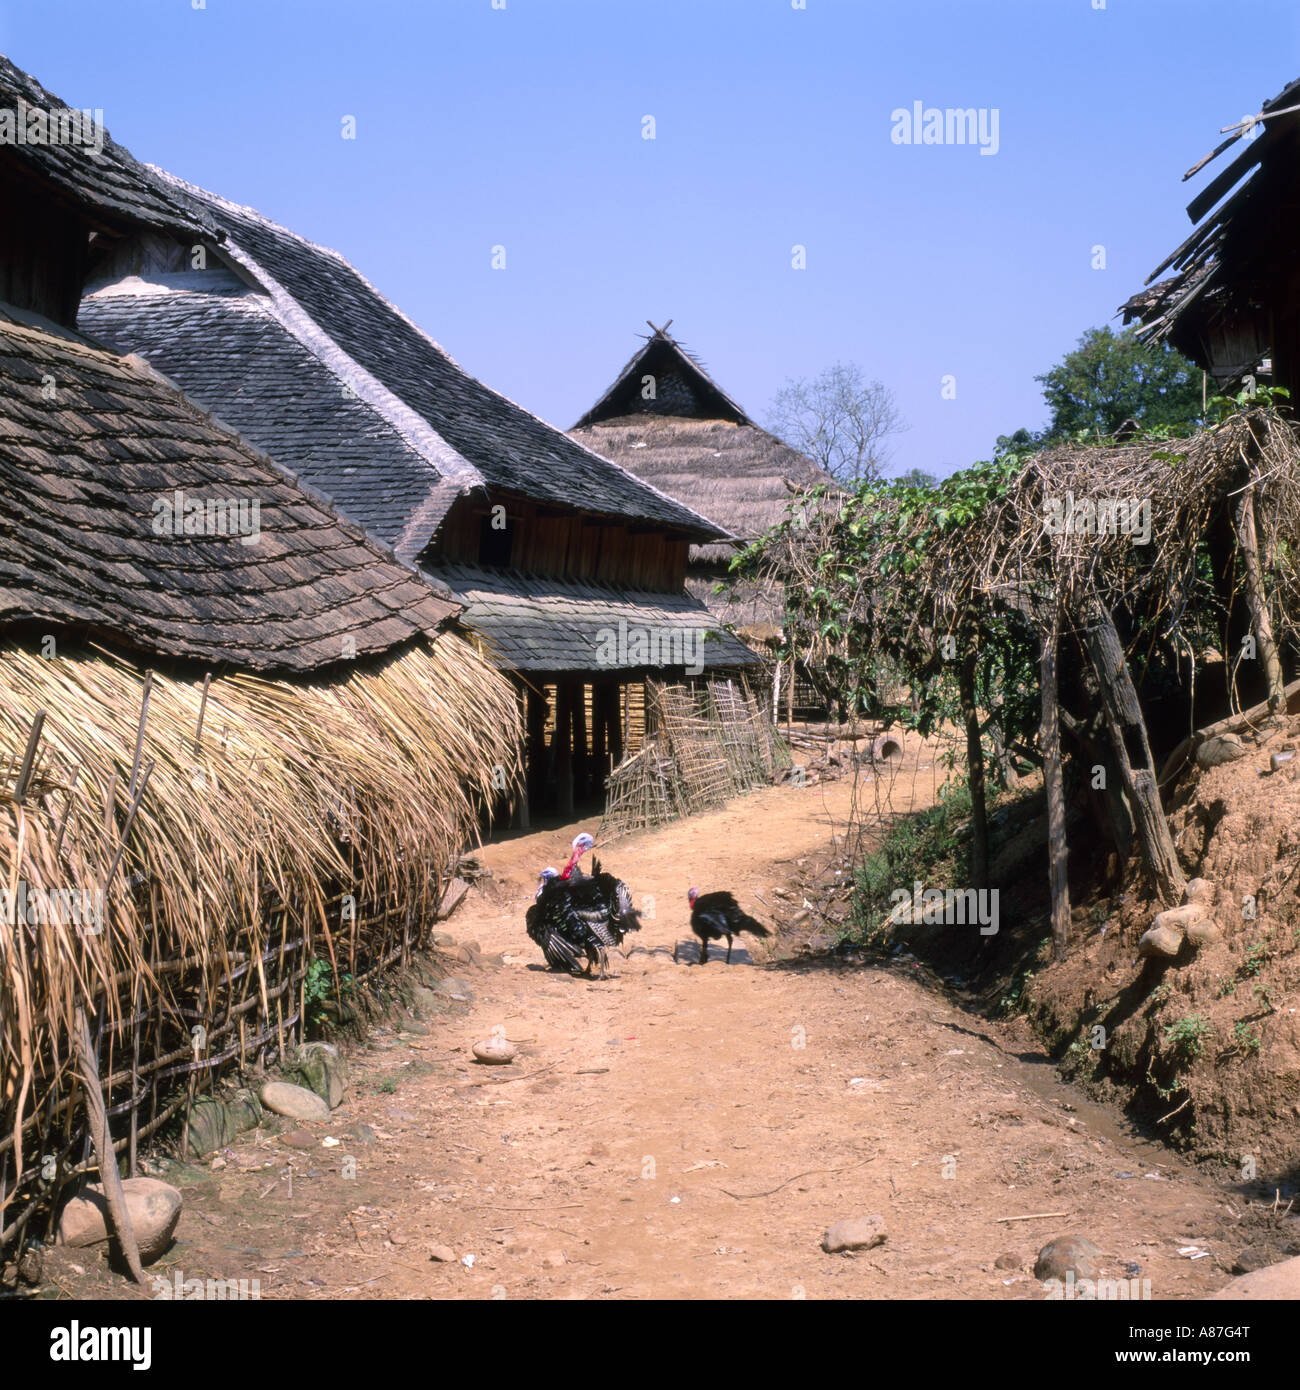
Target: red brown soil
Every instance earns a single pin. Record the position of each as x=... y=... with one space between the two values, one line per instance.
x=690 y=1131
x=1237 y=825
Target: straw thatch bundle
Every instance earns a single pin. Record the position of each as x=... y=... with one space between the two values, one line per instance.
x=246 y=813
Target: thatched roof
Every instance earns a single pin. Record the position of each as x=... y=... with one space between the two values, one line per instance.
x=1216 y=307
x=485 y=438
x=691 y=440
x=111 y=187
x=93 y=445
x=529 y=623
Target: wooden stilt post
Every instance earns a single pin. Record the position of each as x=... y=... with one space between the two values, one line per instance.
x=535 y=748
x=1049 y=739
x=581 y=747
x=614 y=734
x=1257 y=600
x=563 y=744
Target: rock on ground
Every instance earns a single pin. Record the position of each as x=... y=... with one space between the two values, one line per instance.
x=297 y=1102
x=153 y=1208
x=1058 y=1257
x=1277 y=1281
x=854 y=1233
x=320 y=1068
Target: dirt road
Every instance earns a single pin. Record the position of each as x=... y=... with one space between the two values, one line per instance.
x=687 y=1130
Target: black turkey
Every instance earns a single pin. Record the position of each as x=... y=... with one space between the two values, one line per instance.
x=567 y=924
x=715 y=915
x=620 y=917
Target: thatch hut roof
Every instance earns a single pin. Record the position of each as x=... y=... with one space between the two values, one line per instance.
x=249 y=745
x=691 y=440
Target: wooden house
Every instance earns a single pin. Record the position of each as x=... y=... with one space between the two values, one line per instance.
x=1232 y=304
x=666 y=420
x=570 y=568
x=239 y=738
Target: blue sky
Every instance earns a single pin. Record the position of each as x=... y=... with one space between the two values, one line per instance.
x=522 y=127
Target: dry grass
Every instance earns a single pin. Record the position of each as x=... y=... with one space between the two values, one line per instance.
x=243 y=838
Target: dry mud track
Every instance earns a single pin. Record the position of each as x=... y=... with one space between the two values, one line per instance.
x=690 y=1131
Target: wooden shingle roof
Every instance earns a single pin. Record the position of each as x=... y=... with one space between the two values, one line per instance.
x=228 y=346
x=502 y=444
x=531 y=623
x=110 y=186
x=92 y=445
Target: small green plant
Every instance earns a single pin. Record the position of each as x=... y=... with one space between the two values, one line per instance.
x=1187 y=1037
x=1265 y=996
x=1014 y=998
x=1161 y=993
x=1256 y=958
x=1227 y=987
x=318 y=988
x=1246 y=1038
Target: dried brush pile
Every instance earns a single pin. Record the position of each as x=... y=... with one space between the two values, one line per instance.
x=204 y=841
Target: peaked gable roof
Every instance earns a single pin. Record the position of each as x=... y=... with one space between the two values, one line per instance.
x=504 y=445
x=694 y=442
x=664 y=378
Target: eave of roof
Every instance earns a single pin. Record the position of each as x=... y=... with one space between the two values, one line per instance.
x=110 y=186
x=532 y=623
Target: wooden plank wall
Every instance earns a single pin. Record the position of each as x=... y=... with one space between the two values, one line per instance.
x=571 y=546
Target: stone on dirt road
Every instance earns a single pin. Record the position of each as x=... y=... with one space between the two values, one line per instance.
x=442 y=1254
x=297 y=1102
x=495 y=1051
x=1163 y=942
x=153 y=1208
x=1277 y=1281
x=854 y=1233
x=1165 y=935
x=1058 y=1257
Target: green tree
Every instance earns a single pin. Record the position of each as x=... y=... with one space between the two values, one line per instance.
x=918 y=477
x=1110 y=378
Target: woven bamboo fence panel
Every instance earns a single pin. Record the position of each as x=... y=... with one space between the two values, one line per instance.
x=705 y=744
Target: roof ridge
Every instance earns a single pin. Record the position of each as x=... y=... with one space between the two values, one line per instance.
x=437 y=346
